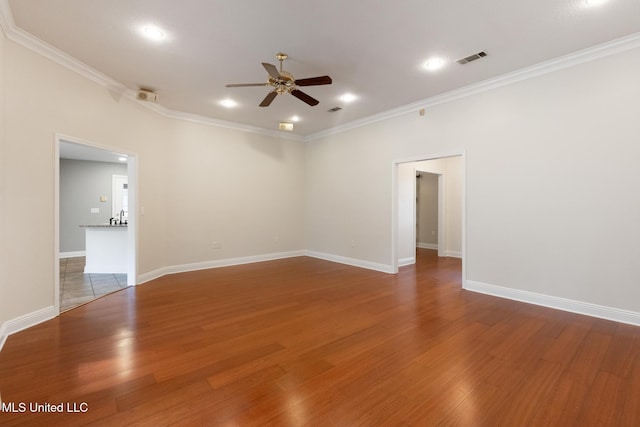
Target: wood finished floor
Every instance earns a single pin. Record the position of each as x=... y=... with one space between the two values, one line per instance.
x=303 y=341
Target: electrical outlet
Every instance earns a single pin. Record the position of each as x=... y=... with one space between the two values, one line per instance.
x=216 y=245
x=353 y=243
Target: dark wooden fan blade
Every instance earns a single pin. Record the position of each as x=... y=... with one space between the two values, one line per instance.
x=314 y=81
x=304 y=97
x=247 y=84
x=268 y=99
x=272 y=70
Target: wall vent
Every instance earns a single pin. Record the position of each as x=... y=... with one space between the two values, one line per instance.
x=472 y=57
x=147 y=95
x=334 y=109
x=285 y=126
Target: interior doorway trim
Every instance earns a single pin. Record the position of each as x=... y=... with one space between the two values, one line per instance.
x=132 y=229
x=394 y=205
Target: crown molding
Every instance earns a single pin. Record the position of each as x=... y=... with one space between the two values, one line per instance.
x=208 y=121
x=23 y=38
x=54 y=54
x=6 y=17
x=586 y=55
x=27 y=40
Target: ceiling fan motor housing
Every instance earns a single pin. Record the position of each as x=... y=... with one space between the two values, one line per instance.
x=283 y=82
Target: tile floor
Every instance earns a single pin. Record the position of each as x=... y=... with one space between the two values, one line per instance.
x=78 y=288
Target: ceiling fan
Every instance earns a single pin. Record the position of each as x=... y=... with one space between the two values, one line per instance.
x=283 y=82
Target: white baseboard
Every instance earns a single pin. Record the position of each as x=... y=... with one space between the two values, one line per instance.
x=25 y=321
x=452 y=254
x=72 y=254
x=351 y=261
x=433 y=246
x=105 y=268
x=558 y=303
x=406 y=261
x=184 y=268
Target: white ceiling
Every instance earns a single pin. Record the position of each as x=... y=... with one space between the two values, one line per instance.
x=371 y=48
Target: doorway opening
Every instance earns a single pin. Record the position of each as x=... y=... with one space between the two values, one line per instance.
x=94 y=255
x=444 y=230
x=430 y=213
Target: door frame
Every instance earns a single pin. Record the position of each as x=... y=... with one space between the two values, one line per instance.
x=132 y=229
x=394 y=205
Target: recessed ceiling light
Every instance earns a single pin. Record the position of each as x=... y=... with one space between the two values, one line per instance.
x=348 y=97
x=228 y=103
x=152 y=32
x=434 y=64
x=122 y=159
x=295 y=119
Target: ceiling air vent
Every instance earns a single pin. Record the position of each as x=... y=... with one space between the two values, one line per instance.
x=334 y=109
x=472 y=58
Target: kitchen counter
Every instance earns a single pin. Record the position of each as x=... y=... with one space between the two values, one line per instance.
x=106 y=248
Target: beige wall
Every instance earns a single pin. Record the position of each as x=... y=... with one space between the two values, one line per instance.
x=4 y=290
x=551 y=176
x=243 y=190
x=197 y=183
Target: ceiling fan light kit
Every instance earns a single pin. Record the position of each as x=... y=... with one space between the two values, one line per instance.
x=283 y=82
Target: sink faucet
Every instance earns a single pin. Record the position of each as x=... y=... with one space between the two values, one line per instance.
x=122 y=217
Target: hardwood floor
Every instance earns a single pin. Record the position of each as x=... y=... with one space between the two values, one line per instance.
x=303 y=341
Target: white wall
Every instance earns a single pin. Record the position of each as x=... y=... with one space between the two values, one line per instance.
x=196 y=183
x=551 y=182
